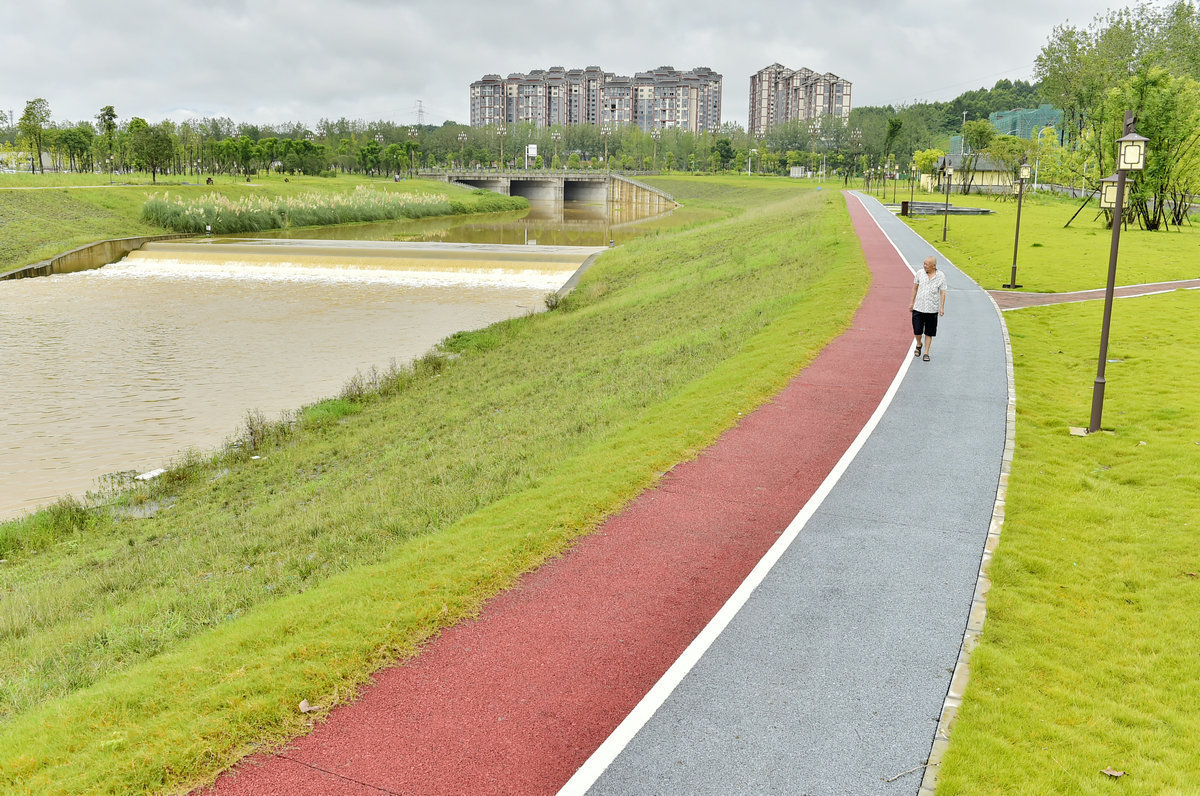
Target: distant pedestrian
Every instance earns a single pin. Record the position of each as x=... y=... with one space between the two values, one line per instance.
x=928 y=303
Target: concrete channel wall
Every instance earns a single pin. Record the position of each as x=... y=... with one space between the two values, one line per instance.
x=625 y=191
x=85 y=258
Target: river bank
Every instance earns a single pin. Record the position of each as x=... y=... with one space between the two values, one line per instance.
x=36 y=225
x=395 y=510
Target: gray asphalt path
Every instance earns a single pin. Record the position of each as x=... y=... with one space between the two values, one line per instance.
x=830 y=679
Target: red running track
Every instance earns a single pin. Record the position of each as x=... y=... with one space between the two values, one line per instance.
x=516 y=701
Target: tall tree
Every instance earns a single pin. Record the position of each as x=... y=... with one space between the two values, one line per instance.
x=106 y=123
x=894 y=125
x=1167 y=109
x=369 y=156
x=77 y=143
x=977 y=134
x=247 y=153
x=33 y=129
x=1078 y=67
x=723 y=151
x=153 y=147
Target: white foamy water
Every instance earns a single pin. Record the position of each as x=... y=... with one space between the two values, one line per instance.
x=125 y=367
x=138 y=268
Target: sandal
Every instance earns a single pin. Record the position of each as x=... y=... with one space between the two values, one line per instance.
x=926 y=357
x=917 y=353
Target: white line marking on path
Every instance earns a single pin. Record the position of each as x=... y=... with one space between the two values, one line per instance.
x=602 y=758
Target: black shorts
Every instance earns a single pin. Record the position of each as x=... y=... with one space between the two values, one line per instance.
x=925 y=323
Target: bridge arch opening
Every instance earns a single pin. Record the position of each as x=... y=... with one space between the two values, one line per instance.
x=585 y=190
x=536 y=190
x=489 y=184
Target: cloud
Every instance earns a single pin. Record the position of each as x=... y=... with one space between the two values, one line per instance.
x=271 y=61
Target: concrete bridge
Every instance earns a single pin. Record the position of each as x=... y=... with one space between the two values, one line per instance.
x=557 y=186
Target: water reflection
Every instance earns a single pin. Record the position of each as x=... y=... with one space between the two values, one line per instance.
x=544 y=223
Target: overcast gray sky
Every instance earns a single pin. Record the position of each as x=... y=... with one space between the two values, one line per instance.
x=275 y=61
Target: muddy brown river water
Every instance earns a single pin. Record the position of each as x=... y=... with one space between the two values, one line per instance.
x=125 y=367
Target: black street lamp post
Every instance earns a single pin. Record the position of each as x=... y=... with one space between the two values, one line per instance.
x=412 y=150
x=855 y=143
x=1024 y=172
x=948 y=173
x=814 y=127
x=1131 y=155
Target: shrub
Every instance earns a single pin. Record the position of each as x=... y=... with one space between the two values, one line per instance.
x=328 y=411
x=38 y=531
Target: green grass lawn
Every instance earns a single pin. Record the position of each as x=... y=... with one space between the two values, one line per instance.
x=144 y=655
x=1052 y=259
x=38 y=224
x=1089 y=658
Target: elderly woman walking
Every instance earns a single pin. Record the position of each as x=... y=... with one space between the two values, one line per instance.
x=928 y=303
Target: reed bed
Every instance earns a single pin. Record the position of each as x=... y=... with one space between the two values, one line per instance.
x=222 y=215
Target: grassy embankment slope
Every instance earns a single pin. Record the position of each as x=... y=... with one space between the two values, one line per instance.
x=38 y=222
x=143 y=655
x=1090 y=657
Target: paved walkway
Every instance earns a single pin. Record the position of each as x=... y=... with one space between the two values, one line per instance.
x=1014 y=300
x=831 y=676
x=826 y=669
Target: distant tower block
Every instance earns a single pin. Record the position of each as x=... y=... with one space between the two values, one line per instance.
x=779 y=94
x=663 y=98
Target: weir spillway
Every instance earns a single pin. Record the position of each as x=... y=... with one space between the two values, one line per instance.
x=545 y=267
x=121 y=367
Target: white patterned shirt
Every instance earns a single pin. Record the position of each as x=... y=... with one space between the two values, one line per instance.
x=929 y=291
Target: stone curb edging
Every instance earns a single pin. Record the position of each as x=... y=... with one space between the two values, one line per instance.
x=974 y=629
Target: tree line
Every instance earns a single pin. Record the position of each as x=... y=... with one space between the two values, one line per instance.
x=219 y=145
x=1144 y=59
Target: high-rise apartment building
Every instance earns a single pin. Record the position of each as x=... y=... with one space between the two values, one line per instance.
x=779 y=94
x=662 y=98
